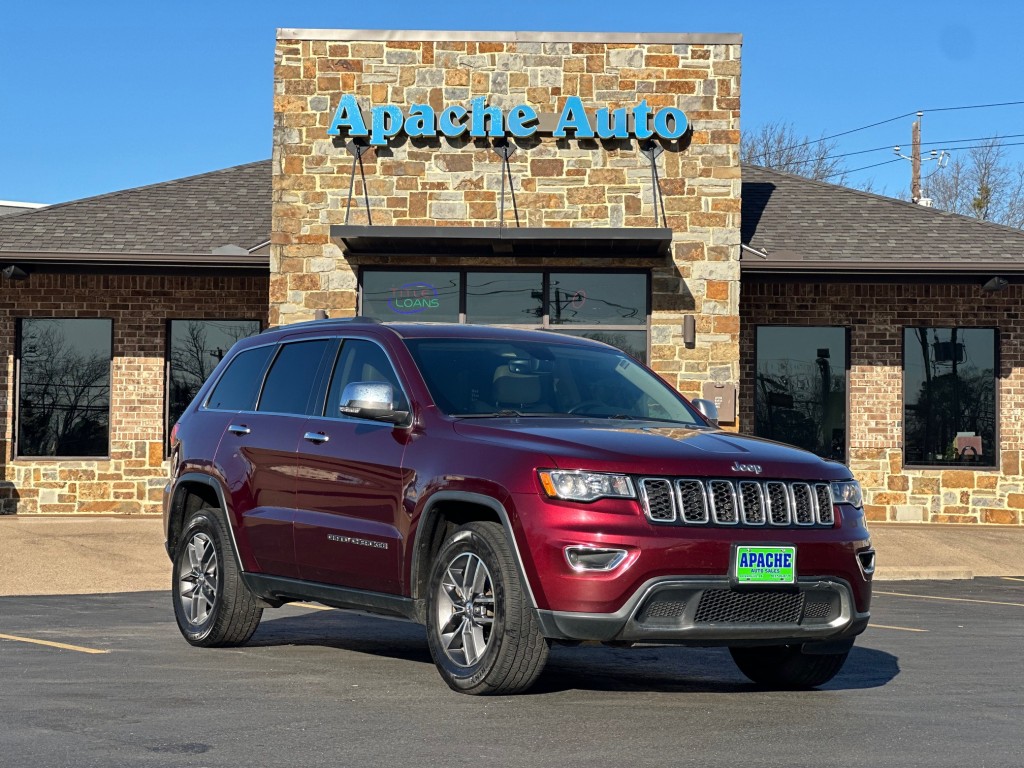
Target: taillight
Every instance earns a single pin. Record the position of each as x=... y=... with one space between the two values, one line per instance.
x=174 y=434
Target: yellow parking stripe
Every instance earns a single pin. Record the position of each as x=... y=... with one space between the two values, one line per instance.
x=313 y=606
x=952 y=599
x=62 y=646
x=1011 y=578
x=904 y=629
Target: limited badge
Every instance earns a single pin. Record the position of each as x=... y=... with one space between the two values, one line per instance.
x=764 y=564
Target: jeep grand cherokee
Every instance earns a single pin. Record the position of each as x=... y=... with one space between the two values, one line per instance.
x=508 y=489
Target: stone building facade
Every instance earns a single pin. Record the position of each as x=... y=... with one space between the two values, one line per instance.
x=600 y=185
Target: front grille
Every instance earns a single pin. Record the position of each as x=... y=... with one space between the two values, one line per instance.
x=817 y=610
x=748 y=503
x=723 y=606
x=664 y=609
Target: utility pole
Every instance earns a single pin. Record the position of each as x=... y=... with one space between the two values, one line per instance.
x=915 y=160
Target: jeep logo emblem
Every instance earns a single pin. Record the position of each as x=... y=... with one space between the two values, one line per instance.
x=755 y=468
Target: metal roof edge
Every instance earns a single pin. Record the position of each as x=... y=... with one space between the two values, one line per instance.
x=431 y=35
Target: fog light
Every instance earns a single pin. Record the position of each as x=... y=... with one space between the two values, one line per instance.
x=866 y=558
x=594 y=558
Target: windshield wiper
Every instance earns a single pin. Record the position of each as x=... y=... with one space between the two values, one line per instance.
x=503 y=413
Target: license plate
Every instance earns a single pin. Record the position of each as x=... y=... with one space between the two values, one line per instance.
x=764 y=564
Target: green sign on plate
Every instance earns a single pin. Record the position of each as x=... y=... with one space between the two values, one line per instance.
x=765 y=565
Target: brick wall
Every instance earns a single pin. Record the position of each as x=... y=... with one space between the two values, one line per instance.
x=877 y=315
x=131 y=480
x=559 y=183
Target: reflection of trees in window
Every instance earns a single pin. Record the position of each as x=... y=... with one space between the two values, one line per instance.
x=64 y=394
x=949 y=393
x=196 y=348
x=800 y=399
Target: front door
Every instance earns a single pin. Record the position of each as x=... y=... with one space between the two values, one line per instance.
x=349 y=518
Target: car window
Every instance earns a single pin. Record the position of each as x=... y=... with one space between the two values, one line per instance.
x=237 y=388
x=362 y=360
x=292 y=377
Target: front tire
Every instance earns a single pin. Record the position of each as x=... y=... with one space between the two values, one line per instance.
x=212 y=605
x=786 y=666
x=482 y=632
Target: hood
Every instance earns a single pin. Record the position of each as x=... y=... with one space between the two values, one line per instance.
x=650 y=447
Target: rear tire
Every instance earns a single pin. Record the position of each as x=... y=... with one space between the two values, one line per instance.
x=785 y=666
x=482 y=632
x=212 y=605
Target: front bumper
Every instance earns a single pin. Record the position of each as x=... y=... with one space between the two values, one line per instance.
x=707 y=612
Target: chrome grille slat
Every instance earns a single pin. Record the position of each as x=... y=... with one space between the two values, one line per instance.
x=778 y=502
x=751 y=502
x=736 y=502
x=803 y=503
x=824 y=496
x=659 y=504
x=722 y=494
x=693 y=501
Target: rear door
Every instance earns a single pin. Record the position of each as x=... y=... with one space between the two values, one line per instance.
x=349 y=519
x=257 y=457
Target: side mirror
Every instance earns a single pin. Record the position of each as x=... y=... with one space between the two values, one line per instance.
x=371 y=400
x=707 y=409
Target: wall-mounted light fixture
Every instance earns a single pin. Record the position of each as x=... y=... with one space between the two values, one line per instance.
x=995 y=285
x=689 y=330
x=14 y=272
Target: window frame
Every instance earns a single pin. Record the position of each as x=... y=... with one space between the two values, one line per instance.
x=847 y=365
x=544 y=323
x=328 y=369
x=18 y=340
x=996 y=458
x=168 y=324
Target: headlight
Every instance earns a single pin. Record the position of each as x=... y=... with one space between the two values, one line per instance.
x=585 y=486
x=848 y=492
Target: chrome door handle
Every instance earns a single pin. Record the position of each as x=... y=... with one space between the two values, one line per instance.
x=239 y=429
x=316 y=437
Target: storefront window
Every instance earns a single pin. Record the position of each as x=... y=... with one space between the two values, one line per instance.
x=800 y=392
x=504 y=298
x=612 y=307
x=194 y=349
x=587 y=298
x=414 y=296
x=949 y=396
x=64 y=387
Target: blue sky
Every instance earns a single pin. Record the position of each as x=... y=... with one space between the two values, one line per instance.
x=101 y=96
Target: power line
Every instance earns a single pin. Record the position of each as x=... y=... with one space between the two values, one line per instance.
x=900 y=117
x=863 y=168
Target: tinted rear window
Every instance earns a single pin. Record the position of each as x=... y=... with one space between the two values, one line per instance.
x=291 y=378
x=237 y=388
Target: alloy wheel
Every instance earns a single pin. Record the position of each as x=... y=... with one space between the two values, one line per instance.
x=465 y=609
x=197 y=579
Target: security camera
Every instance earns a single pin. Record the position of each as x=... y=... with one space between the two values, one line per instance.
x=14 y=272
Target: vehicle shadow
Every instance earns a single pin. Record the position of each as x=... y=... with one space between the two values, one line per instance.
x=586 y=667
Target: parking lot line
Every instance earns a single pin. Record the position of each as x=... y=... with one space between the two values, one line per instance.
x=1012 y=578
x=62 y=646
x=902 y=629
x=952 y=599
x=313 y=606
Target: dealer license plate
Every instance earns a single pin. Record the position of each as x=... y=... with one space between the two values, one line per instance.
x=764 y=564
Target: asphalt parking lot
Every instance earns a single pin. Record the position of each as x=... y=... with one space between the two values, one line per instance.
x=106 y=680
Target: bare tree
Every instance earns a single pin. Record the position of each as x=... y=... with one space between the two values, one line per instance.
x=777 y=145
x=983 y=184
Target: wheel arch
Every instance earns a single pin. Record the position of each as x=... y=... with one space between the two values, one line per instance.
x=193 y=491
x=446 y=511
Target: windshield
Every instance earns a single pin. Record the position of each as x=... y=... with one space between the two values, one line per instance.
x=490 y=377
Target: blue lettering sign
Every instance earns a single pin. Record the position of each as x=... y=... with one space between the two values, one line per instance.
x=522 y=121
x=420 y=121
x=574 y=118
x=387 y=122
x=348 y=117
x=449 y=115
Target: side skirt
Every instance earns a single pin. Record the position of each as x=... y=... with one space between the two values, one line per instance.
x=277 y=590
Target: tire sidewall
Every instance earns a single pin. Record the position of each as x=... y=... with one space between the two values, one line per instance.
x=459 y=677
x=201 y=522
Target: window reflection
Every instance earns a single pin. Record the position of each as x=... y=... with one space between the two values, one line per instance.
x=506 y=298
x=64 y=388
x=196 y=346
x=598 y=299
x=800 y=393
x=413 y=296
x=949 y=394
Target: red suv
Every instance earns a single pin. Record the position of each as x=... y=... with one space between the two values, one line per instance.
x=508 y=489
